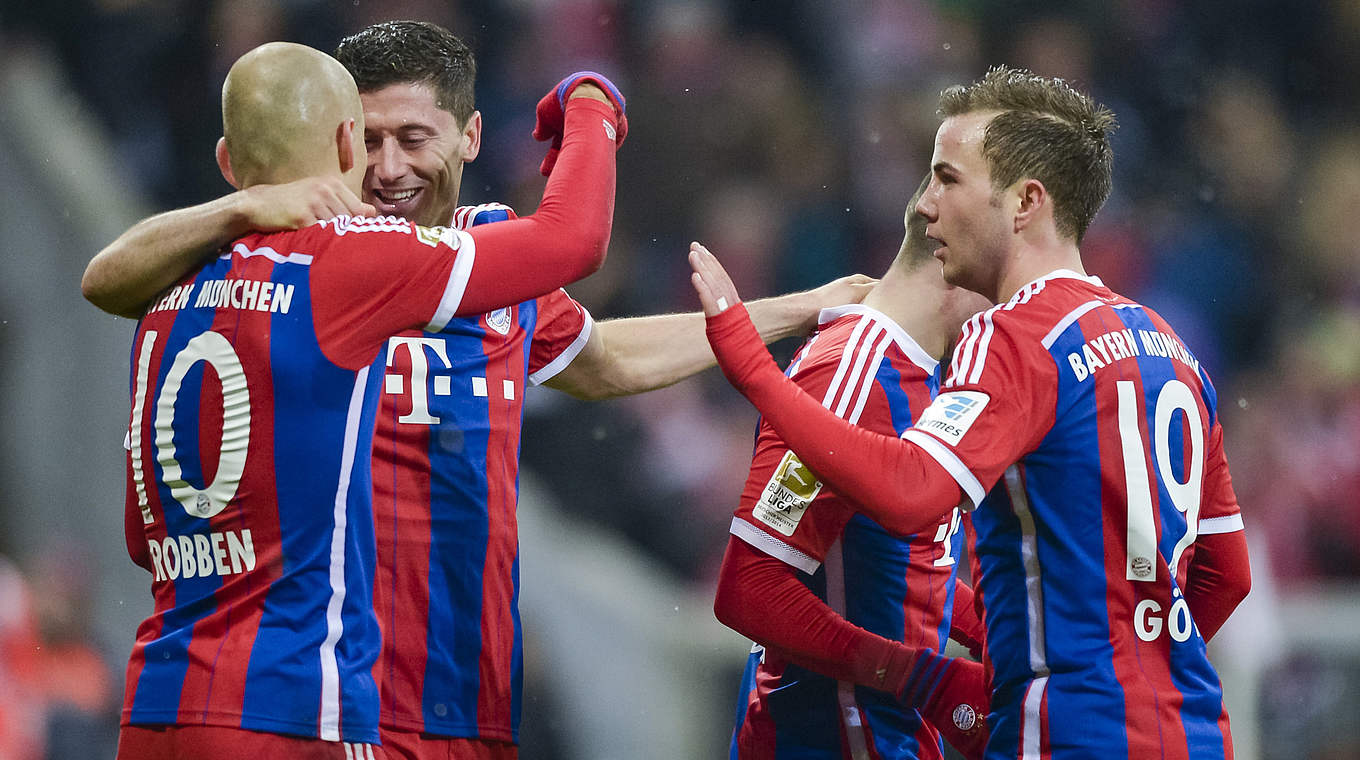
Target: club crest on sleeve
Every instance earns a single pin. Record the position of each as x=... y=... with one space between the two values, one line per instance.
x=787 y=495
x=965 y=717
x=951 y=414
x=500 y=320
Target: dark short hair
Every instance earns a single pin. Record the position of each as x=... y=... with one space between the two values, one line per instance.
x=413 y=52
x=1046 y=130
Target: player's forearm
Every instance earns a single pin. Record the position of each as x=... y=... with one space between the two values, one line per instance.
x=893 y=482
x=566 y=238
x=640 y=354
x=155 y=253
x=761 y=598
x=1218 y=580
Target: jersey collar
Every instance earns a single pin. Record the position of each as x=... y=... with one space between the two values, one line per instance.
x=904 y=341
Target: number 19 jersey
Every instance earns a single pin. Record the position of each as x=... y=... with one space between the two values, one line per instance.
x=1099 y=429
x=249 y=497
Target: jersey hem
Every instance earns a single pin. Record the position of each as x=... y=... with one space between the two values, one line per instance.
x=449 y=730
x=248 y=722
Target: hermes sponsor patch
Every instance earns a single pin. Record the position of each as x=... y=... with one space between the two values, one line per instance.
x=951 y=414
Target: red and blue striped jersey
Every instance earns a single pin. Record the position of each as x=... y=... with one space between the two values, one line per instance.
x=446 y=468
x=868 y=370
x=249 y=497
x=1099 y=431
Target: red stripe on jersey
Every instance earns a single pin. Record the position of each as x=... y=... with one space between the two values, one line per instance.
x=401 y=512
x=504 y=377
x=224 y=640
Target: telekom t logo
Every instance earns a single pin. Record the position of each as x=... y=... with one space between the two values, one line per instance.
x=395 y=382
x=420 y=370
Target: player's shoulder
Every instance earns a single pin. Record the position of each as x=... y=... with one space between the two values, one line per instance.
x=859 y=334
x=466 y=217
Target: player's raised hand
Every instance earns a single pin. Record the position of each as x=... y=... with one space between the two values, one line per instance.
x=710 y=280
x=551 y=111
x=291 y=206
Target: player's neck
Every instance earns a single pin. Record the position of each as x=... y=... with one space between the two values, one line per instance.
x=1034 y=262
x=913 y=300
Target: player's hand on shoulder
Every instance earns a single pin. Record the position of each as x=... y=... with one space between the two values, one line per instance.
x=550 y=114
x=297 y=204
x=710 y=280
x=839 y=292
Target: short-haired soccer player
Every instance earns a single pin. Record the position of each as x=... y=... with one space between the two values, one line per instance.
x=828 y=594
x=253 y=400
x=1109 y=540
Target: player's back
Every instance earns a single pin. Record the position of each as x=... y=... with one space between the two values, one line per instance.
x=864 y=367
x=250 y=436
x=1077 y=541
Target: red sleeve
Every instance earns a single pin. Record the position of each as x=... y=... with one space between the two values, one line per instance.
x=891 y=481
x=1218 y=580
x=566 y=238
x=560 y=332
x=762 y=598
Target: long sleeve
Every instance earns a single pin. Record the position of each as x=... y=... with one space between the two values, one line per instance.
x=889 y=479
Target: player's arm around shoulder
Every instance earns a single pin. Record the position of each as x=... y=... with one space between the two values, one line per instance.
x=639 y=354
x=125 y=277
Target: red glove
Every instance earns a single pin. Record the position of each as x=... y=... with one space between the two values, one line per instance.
x=551 y=113
x=952 y=694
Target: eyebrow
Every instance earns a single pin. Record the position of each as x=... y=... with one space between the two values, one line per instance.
x=942 y=166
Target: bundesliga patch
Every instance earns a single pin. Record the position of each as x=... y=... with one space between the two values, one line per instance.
x=787 y=496
x=951 y=414
x=431 y=235
x=499 y=320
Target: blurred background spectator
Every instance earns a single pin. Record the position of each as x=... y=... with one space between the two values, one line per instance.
x=786 y=136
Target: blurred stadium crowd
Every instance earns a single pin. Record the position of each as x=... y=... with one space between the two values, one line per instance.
x=787 y=135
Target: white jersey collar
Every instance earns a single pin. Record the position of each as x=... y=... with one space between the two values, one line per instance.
x=904 y=341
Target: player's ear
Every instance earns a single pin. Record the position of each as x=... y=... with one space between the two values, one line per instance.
x=344 y=145
x=472 y=136
x=1031 y=202
x=224 y=163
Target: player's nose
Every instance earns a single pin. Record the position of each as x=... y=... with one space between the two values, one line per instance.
x=385 y=160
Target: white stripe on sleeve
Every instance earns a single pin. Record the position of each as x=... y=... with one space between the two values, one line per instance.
x=951 y=463
x=1225 y=524
x=568 y=355
x=772 y=546
x=464 y=257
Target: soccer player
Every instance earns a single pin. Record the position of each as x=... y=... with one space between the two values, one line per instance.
x=446 y=452
x=822 y=588
x=253 y=400
x=1109 y=540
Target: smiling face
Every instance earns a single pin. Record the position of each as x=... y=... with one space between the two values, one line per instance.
x=966 y=217
x=416 y=152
